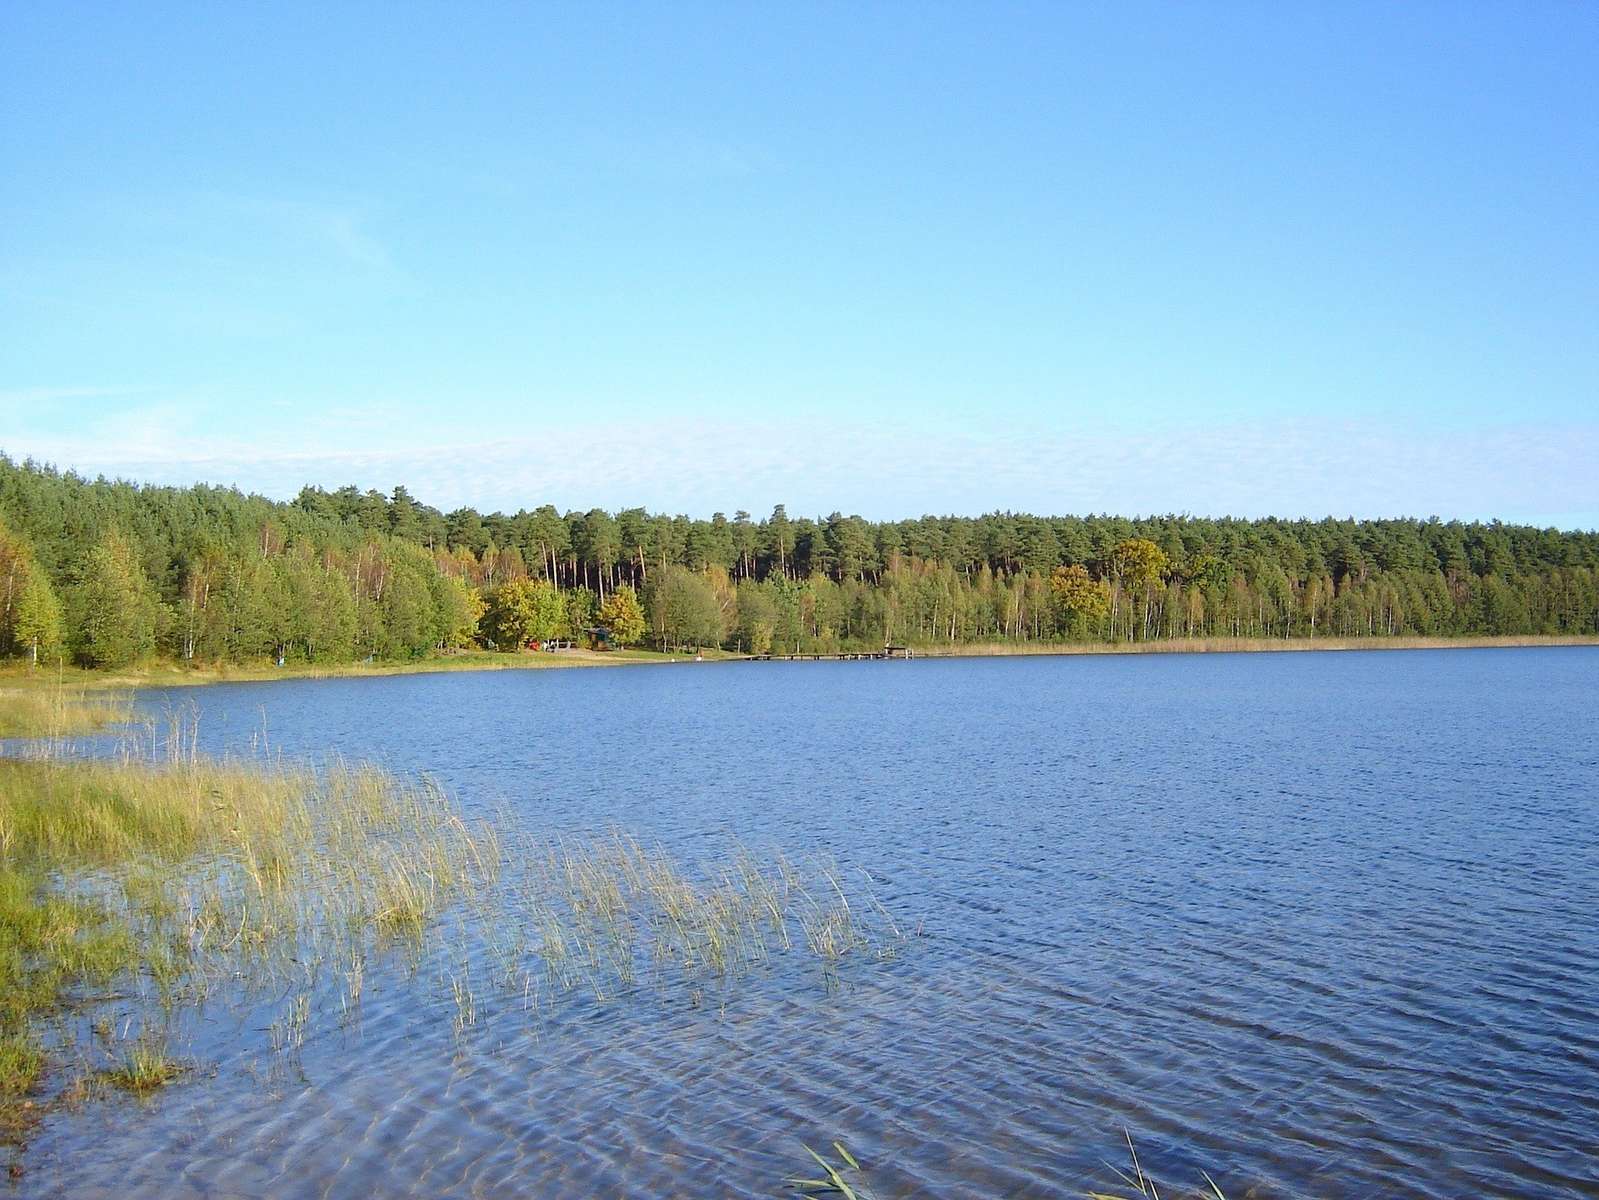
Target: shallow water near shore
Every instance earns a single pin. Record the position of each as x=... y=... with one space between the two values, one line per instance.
x=1320 y=925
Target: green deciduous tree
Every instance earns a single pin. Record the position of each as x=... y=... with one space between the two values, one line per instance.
x=30 y=616
x=37 y=628
x=114 y=612
x=460 y=611
x=623 y=616
x=684 y=609
x=523 y=611
x=1138 y=566
x=757 y=617
x=1138 y=563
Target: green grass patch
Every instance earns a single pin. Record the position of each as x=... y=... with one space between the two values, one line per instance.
x=146 y=1067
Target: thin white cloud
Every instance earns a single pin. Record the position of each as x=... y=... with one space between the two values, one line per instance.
x=342 y=231
x=339 y=231
x=883 y=470
x=40 y=397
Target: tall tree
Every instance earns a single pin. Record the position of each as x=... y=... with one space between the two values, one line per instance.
x=684 y=609
x=115 y=614
x=622 y=615
x=523 y=611
x=30 y=616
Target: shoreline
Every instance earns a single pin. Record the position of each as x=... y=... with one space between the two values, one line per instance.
x=1254 y=645
x=170 y=674
x=165 y=673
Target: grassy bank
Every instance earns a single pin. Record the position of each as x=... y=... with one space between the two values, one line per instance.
x=17 y=678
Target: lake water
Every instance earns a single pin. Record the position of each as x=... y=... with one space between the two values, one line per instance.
x=1319 y=924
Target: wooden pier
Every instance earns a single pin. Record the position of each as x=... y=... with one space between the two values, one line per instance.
x=885 y=653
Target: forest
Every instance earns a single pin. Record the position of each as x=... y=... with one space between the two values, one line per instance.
x=104 y=573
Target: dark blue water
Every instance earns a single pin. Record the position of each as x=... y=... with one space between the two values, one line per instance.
x=1318 y=924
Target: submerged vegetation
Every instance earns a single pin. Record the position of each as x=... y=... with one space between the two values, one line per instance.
x=107 y=574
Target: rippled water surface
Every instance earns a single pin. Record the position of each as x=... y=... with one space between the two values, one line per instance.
x=1320 y=924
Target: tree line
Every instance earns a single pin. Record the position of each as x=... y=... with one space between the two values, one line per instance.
x=106 y=572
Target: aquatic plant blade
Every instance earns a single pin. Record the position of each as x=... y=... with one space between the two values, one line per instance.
x=835 y=1181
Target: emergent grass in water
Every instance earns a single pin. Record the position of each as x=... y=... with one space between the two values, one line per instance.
x=135 y=892
x=53 y=711
x=138 y=888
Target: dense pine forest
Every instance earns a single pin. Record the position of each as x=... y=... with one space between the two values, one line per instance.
x=106 y=573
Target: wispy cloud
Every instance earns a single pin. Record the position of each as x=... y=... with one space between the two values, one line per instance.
x=341 y=231
x=883 y=470
x=41 y=397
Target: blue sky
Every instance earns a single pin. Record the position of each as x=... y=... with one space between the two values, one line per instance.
x=1289 y=259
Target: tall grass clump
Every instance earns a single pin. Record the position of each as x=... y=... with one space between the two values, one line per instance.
x=145 y=1067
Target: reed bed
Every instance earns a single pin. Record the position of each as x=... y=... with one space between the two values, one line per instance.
x=54 y=711
x=135 y=891
x=607 y=915
x=143 y=887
